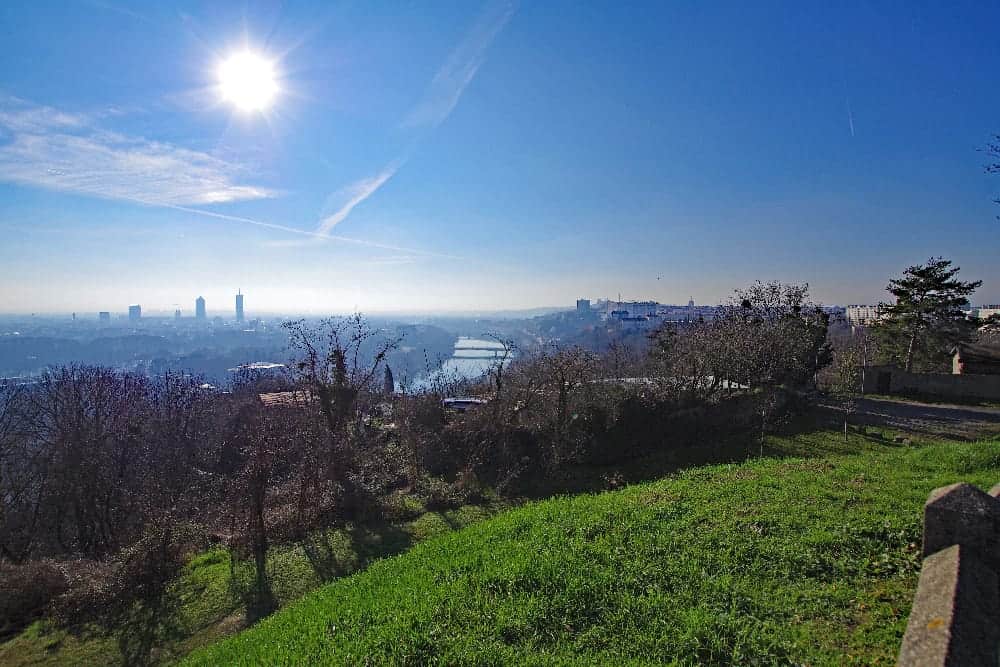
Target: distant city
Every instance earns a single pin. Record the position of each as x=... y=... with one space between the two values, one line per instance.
x=200 y=311
x=215 y=346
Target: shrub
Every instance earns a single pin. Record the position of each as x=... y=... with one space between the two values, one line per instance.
x=106 y=592
x=26 y=592
x=87 y=594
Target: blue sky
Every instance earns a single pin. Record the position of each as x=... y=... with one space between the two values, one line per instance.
x=456 y=156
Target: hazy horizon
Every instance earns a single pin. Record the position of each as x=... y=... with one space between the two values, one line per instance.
x=496 y=156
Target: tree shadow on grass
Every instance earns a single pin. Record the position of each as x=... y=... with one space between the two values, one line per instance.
x=809 y=434
x=337 y=553
x=251 y=584
x=149 y=624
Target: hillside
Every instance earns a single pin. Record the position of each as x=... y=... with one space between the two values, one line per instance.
x=774 y=561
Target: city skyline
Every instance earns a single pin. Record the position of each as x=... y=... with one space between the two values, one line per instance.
x=481 y=157
x=581 y=304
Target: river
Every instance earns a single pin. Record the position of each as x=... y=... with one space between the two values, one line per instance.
x=470 y=359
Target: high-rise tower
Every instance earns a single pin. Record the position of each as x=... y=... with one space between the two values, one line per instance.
x=239 y=306
x=199 y=308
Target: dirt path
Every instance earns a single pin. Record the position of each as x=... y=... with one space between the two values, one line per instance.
x=960 y=422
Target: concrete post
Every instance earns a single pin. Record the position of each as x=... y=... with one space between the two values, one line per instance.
x=955 y=619
x=962 y=514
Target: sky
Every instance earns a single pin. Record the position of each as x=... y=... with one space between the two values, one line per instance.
x=445 y=156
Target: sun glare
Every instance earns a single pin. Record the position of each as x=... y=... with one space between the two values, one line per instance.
x=247 y=81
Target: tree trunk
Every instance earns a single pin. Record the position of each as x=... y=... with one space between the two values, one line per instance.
x=260 y=570
x=909 y=352
x=763 y=430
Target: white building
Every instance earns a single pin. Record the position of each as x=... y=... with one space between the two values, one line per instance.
x=620 y=309
x=633 y=315
x=985 y=312
x=858 y=315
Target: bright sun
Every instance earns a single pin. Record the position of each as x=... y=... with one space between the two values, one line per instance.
x=247 y=81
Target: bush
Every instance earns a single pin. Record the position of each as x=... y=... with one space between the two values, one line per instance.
x=87 y=595
x=439 y=494
x=26 y=592
x=140 y=574
x=399 y=507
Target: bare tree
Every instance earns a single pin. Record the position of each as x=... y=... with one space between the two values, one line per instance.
x=259 y=440
x=498 y=366
x=86 y=432
x=847 y=378
x=337 y=364
x=768 y=342
x=17 y=476
x=567 y=381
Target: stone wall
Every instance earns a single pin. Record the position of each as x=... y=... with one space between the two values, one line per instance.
x=892 y=380
x=955 y=619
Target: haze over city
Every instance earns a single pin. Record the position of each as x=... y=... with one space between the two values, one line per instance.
x=477 y=156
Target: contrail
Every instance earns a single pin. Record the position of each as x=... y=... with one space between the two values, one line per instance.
x=451 y=80
x=440 y=99
x=360 y=191
x=850 y=116
x=318 y=236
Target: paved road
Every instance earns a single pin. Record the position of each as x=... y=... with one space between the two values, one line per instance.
x=963 y=422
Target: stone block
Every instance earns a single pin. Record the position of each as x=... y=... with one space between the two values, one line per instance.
x=962 y=514
x=955 y=620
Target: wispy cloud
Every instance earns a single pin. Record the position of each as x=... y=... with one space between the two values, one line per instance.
x=356 y=193
x=439 y=100
x=447 y=86
x=45 y=147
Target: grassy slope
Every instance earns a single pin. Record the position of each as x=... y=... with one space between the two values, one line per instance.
x=208 y=604
x=776 y=561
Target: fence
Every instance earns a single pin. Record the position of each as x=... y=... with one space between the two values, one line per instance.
x=892 y=380
x=955 y=618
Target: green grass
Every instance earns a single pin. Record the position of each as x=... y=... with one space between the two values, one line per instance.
x=207 y=596
x=775 y=561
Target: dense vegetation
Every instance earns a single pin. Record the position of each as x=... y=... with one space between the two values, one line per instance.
x=805 y=561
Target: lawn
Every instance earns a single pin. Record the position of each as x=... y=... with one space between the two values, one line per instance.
x=775 y=561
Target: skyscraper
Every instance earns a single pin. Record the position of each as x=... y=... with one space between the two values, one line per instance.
x=134 y=313
x=104 y=316
x=199 y=308
x=239 y=306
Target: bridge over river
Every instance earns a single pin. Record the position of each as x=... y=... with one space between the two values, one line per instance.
x=477 y=348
